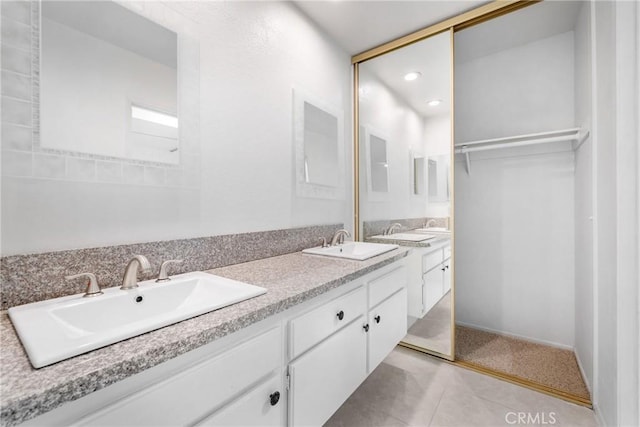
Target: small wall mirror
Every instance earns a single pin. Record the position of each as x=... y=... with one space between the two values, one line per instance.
x=378 y=164
x=438 y=181
x=108 y=83
x=319 y=147
x=418 y=183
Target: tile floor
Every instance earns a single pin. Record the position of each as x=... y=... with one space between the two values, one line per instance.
x=413 y=389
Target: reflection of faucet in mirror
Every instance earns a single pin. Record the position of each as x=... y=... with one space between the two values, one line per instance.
x=430 y=223
x=389 y=231
x=338 y=238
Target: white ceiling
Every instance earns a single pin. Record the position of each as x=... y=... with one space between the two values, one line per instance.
x=535 y=22
x=360 y=25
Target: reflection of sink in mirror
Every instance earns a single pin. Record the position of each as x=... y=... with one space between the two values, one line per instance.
x=352 y=250
x=408 y=237
x=59 y=328
x=432 y=230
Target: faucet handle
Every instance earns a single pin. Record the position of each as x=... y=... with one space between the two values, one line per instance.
x=324 y=242
x=93 y=289
x=163 y=276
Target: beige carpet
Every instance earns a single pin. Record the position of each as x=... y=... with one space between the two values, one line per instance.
x=537 y=363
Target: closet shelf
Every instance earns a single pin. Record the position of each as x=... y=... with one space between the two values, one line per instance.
x=575 y=135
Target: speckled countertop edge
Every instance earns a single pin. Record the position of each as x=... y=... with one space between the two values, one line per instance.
x=290 y=280
x=436 y=241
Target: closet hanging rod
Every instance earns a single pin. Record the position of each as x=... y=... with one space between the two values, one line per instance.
x=521 y=137
x=465 y=149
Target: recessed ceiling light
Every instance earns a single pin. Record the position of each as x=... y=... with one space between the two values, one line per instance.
x=434 y=102
x=412 y=76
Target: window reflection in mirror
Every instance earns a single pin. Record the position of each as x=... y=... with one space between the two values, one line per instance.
x=108 y=82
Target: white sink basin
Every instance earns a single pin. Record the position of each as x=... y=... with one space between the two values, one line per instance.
x=407 y=237
x=60 y=328
x=352 y=250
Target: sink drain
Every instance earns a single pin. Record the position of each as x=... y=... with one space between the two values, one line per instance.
x=139 y=298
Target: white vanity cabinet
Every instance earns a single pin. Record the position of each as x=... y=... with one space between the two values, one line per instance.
x=323 y=377
x=230 y=383
x=436 y=278
x=293 y=368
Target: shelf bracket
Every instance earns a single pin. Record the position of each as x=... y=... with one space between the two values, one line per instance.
x=467 y=160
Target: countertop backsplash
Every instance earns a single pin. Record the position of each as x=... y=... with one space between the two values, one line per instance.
x=36 y=277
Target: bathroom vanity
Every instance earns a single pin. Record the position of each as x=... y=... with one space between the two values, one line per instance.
x=289 y=357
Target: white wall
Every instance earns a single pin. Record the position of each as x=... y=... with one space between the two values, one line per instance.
x=584 y=199
x=515 y=211
x=388 y=116
x=251 y=56
x=604 y=158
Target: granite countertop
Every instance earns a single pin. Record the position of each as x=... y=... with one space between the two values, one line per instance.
x=440 y=239
x=289 y=279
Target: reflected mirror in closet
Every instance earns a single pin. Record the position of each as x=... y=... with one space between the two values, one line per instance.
x=405 y=151
x=522 y=206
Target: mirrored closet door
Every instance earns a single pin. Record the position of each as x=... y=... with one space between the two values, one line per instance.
x=405 y=114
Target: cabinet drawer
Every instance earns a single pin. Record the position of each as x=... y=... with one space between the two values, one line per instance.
x=431 y=260
x=387 y=326
x=217 y=380
x=381 y=287
x=253 y=408
x=447 y=252
x=323 y=378
x=314 y=326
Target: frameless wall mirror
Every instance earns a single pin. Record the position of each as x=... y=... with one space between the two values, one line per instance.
x=108 y=83
x=439 y=178
x=405 y=95
x=377 y=165
x=419 y=177
x=319 y=148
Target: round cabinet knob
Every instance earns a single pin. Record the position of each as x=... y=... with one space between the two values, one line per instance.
x=366 y=327
x=446 y=266
x=377 y=319
x=274 y=398
x=442 y=269
x=340 y=315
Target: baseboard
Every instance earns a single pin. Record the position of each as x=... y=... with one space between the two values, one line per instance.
x=582 y=372
x=520 y=337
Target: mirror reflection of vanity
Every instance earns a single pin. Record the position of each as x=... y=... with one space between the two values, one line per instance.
x=405 y=149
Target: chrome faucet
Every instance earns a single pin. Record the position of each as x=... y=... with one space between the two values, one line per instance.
x=430 y=223
x=93 y=289
x=389 y=231
x=130 y=279
x=163 y=276
x=338 y=238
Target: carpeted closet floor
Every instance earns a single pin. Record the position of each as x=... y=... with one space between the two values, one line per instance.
x=547 y=366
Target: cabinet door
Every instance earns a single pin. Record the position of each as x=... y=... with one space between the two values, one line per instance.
x=261 y=406
x=323 y=378
x=433 y=287
x=387 y=326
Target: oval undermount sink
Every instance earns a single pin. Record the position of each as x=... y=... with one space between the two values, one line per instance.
x=407 y=237
x=359 y=251
x=60 y=328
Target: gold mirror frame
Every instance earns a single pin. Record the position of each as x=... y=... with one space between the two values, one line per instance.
x=456 y=23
